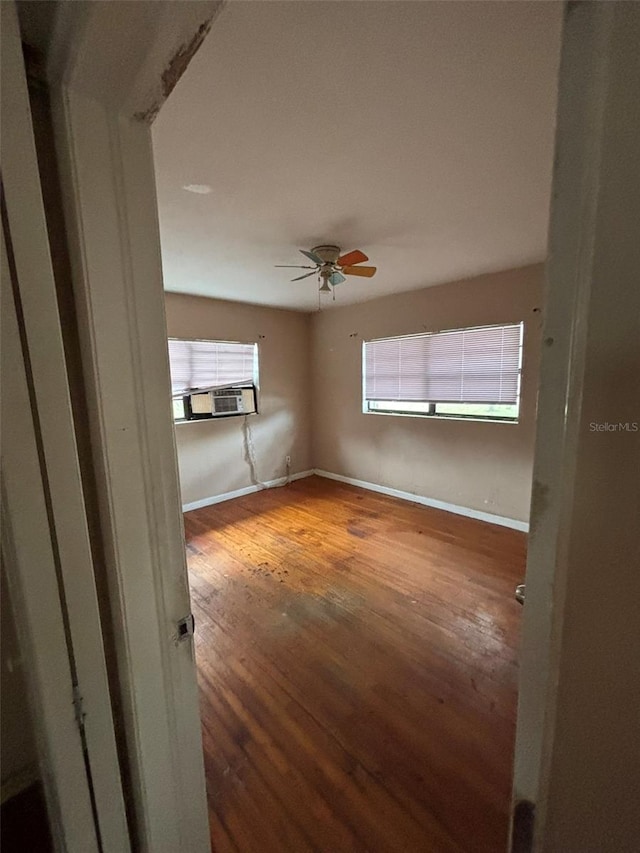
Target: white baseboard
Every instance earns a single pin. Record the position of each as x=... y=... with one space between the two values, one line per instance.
x=372 y=487
x=247 y=490
x=432 y=502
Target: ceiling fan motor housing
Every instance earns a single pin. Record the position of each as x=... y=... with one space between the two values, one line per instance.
x=329 y=254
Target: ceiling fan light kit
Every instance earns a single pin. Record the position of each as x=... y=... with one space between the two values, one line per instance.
x=331 y=267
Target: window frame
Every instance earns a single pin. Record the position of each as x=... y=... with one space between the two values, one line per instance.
x=254 y=385
x=433 y=414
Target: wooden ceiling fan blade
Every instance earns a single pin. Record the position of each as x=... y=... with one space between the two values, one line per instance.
x=355 y=257
x=315 y=258
x=306 y=275
x=366 y=271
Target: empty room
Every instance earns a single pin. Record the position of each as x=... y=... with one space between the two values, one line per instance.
x=319 y=367
x=353 y=202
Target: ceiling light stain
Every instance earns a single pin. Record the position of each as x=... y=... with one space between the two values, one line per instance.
x=200 y=189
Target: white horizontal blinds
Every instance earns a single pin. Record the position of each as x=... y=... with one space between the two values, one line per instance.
x=491 y=365
x=479 y=365
x=180 y=366
x=382 y=370
x=197 y=365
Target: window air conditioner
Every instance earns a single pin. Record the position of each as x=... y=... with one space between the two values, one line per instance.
x=223 y=402
x=227 y=401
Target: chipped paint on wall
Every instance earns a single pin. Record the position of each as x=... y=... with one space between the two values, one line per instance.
x=176 y=67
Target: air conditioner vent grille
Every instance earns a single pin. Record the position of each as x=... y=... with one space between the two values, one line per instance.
x=227 y=404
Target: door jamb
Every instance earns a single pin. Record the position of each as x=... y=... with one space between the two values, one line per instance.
x=36 y=309
x=28 y=557
x=103 y=142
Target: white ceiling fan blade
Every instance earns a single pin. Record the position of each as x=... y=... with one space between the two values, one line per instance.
x=294 y=266
x=306 y=275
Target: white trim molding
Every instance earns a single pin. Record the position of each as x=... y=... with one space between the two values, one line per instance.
x=36 y=326
x=30 y=562
x=247 y=490
x=488 y=517
x=111 y=213
x=108 y=76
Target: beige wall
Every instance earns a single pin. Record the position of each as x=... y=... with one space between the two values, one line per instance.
x=211 y=454
x=483 y=466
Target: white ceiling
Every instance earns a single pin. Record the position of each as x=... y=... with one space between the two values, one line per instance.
x=419 y=132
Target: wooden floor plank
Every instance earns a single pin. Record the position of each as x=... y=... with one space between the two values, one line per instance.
x=357 y=669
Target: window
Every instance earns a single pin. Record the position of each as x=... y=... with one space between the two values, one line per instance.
x=212 y=379
x=463 y=373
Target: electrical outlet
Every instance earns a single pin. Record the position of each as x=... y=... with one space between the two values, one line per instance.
x=287 y=459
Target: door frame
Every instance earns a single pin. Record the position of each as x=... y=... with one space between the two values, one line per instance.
x=108 y=76
x=581 y=581
x=42 y=406
x=28 y=558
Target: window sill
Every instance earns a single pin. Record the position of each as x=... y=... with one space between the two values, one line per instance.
x=427 y=417
x=217 y=418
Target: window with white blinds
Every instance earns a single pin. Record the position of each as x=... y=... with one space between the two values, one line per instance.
x=205 y=365
x=478 y=366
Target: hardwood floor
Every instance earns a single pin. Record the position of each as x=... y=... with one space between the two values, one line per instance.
x=357 y=667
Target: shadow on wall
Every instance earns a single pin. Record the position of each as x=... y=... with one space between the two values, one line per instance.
x=212 y=455
x=418 y=451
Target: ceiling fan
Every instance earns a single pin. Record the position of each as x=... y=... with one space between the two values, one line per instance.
x=331 y=267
